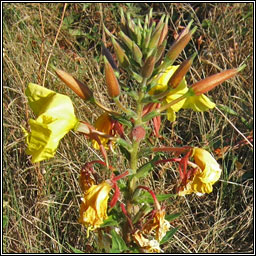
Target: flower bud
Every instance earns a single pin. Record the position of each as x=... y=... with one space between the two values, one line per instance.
x=137 y=54
x=126 y=39
x=160 y=50
x=138 y=133
x=179 y=45
x=164 y=32
x=210 y=82
x=180 y=72
x=185 y=30
x=120 y=54
x=123 y=20
x=109 y=57
x=77 y=86
x=148 y=66
x=111 y=80
x=155 y=37
x=147 y=37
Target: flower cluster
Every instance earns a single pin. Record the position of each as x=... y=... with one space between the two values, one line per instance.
x=159 y=89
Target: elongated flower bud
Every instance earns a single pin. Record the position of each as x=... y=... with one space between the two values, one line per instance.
x=155 y=37
x=164 y=32
x=128 y=42
x=111 y=80
x=185 y=30
x=210 y=82
x=180 y=72
x=137 y=54
x=160 y=51
x=179 y=45
x=109 y=56
x=123 y=21
x=120 y=54
x=148 y=66
x=77 y=86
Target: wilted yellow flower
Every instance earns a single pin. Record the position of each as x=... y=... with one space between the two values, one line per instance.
x=146 y=245
x=93 y=210
x=55 y=118
x=207 y=173
x=158 y=224
x=197 y=103
x=103 y=124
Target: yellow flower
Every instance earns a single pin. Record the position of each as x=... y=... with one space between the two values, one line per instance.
x=207 y=173
x=180 y=90
x=158 y=224
x=93 y=210
x=197 y=103
x=55 y=118
x=146 y=245
x=103 y=124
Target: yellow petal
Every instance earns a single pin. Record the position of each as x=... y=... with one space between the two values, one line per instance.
x=163 y=80
x=93 y=210
x=207 y=174
x=55 y=119
x=103 y=124
x=198 y=103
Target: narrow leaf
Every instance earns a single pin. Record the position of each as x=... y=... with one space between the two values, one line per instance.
x=118 y=244
x=168 y=235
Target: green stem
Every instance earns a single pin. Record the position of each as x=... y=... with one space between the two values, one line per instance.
x=136 y=144
x=110 y=111
x=128 y=112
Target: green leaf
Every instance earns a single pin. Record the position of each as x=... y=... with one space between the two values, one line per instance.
x=118 y=244
x=230 y=111
x=5 y=221
x=146 y=168
x=74 y=249
x=123 y=120
x=173 y=216
x=146 y=197
x=110 y=221
x=168 y=235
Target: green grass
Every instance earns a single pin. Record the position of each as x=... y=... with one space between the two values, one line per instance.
x=41 y=202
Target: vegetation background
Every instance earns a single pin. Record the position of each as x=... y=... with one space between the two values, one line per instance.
x=41 y=202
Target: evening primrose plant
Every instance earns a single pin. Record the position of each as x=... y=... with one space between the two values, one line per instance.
x=123 y=213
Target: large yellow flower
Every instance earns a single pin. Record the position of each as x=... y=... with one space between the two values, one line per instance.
x=55 y=118
x=197 y=103
x=93 y=210
x=208 y=172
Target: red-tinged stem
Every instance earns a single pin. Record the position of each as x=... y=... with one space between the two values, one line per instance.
x=157 y=205
x=115 y=196
x=126 y=215
x=168 y=160
x=172 y=149
x=120 y=176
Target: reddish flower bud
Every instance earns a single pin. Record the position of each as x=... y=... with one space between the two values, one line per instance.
x=178 y=75
x=77 y=86
x=148 y=67
x=210 y=82
x=111 y=80
x=179 y=45
x=138 y=133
